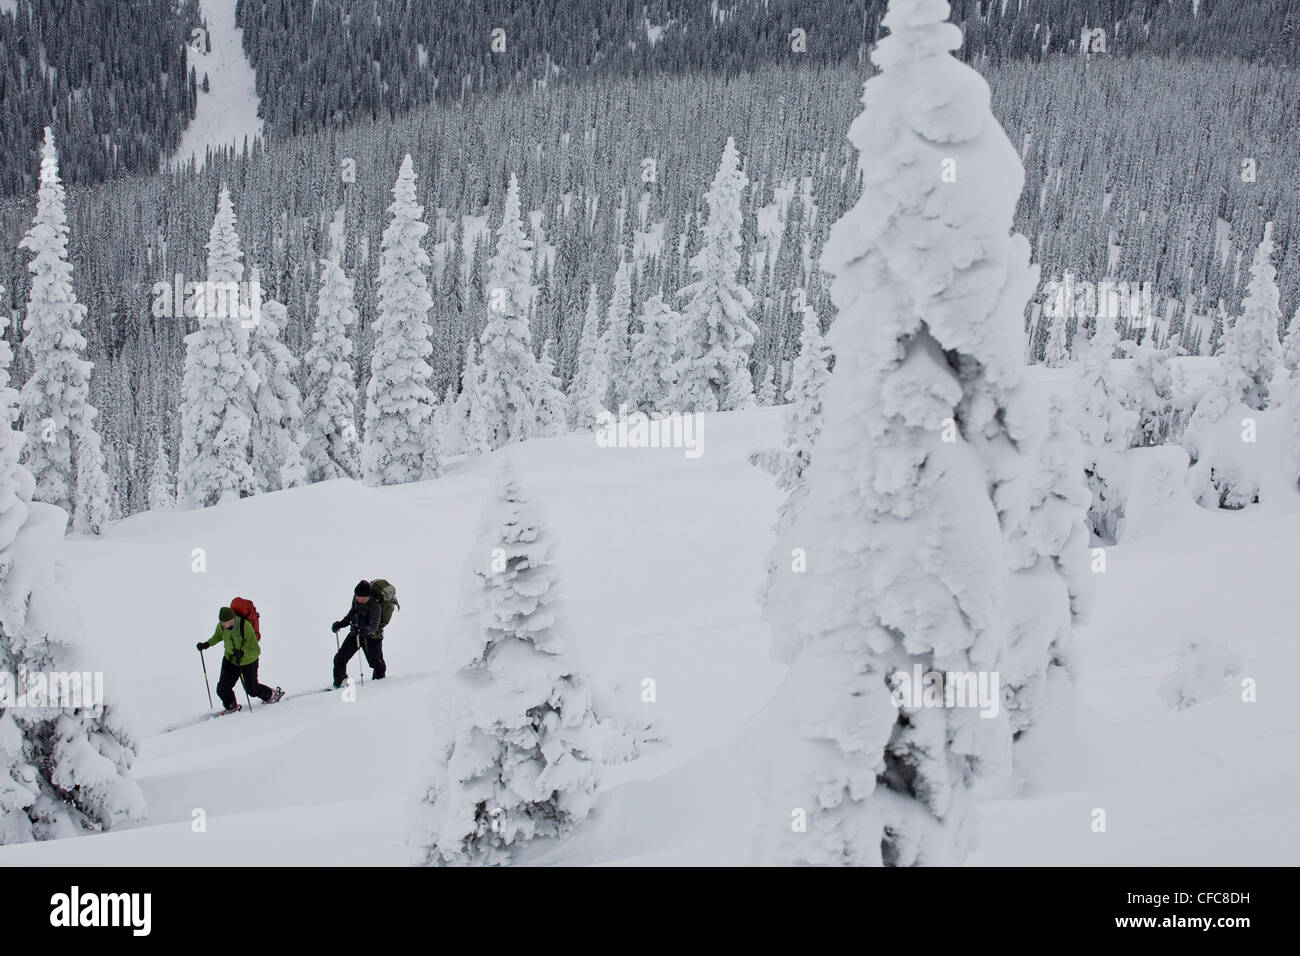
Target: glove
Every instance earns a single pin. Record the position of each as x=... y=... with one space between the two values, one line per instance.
x=335 y=626
x=239 y=655
x=201 y=645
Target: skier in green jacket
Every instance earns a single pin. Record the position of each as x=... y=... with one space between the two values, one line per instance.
x=239 y=660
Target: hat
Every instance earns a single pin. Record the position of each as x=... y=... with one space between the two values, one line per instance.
x=225 y=614
x=362 y=589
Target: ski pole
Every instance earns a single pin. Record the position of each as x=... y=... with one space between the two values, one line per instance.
x=206 y=684
x=361 y=658
x=244 y=681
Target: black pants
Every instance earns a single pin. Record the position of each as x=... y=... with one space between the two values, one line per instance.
x=230 y=675
x=372 y=647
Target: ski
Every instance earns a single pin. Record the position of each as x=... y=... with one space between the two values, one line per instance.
x=320 y=690
x=329 y=689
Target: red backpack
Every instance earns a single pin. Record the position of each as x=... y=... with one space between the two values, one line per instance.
x=245 y=609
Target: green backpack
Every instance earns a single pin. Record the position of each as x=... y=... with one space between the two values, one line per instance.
x=387 y=595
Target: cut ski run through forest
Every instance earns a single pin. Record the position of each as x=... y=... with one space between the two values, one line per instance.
x=315 y=780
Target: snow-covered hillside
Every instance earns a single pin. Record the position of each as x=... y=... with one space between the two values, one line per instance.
x=319 y=781
x=226 y=115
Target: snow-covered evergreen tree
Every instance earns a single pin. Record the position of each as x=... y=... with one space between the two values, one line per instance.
x=451 y=439
x=1250 y=345
x=653 y=356
x=19 y=788
x=905 y=523
x=329 y=389
x=63 y=450
x=717 y=332
x=803 y=418
x=1105 y=425
x=399 y=396
x=63 y=769
x=519 y=755
x=1290 y=357
x=590 y=382
x=617 y=342
x=1227 y=472
x=277 y=408
x=1151 y=397
x=94 y=507
x=162 y=495
x=471 y=411
x=803 y=422
x=1291 y=418
x=766 y=394
x=217 y=392
x=1057 y=352
x=1048 y=544
x=1215 y=345
x=552 y=406
x=512 y=389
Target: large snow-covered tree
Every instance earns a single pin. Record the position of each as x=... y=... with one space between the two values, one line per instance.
x=64 y=764
x=1150 y=395
x=1057 y=350
x=910 y=493
x=617 y=343
x=217 y=390
x=1048 y=545
x=765 y=392
x=162 y=493
x=470 y=412
x=1227 y=472
x=590 y=382
x=803 y=423
x=803 y=420
x=513 y=386
x=329 y=389
x=717 y=331
x=1250 y=346
x=277 y=407
x=451 y=439
x=518 y=755
x=399 y=397
x=653 y=355
x=1290 y=408
x=63 y=449
x=1105 y=425
x=1290 y=356
x=552 y=406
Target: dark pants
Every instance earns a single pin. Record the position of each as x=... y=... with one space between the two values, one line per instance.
x=372 y=647
x=230 y=675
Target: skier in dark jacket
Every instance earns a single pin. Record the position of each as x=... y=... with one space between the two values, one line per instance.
x=365 y=620
x=239 y=661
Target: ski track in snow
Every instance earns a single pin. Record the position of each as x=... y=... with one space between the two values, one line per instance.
x=227 y=114
x=660 y=557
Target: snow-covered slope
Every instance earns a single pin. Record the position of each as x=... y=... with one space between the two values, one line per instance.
x=226 y=115
x=660 y=557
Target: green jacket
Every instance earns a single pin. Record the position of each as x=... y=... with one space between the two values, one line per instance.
x=240 y=637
